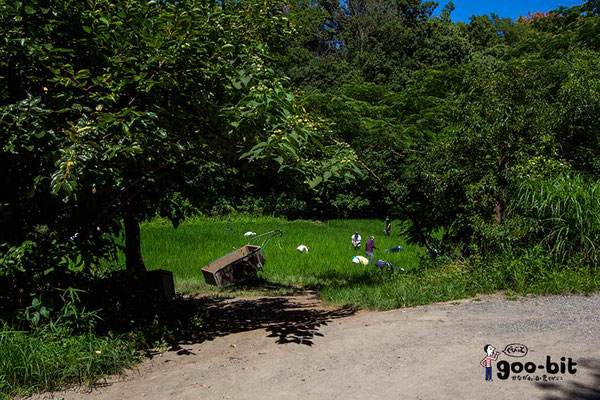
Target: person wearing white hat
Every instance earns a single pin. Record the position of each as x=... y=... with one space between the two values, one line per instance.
x=356 y=240
x=302 y=248
x=360 y=260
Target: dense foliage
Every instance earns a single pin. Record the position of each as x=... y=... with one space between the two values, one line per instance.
x=110 y=110
x=455 y=122
x=480 y=139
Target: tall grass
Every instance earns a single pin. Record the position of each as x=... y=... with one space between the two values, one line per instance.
x=569 y=208
x=44 y=361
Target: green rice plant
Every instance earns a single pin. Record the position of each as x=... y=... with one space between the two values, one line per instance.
x=328 y=268
x=328 y=263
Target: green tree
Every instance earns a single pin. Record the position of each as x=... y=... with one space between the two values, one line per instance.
x=103 y=102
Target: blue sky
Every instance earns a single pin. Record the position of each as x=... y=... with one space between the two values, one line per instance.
x=504 y=8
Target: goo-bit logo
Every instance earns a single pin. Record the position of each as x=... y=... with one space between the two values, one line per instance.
x=548 y=370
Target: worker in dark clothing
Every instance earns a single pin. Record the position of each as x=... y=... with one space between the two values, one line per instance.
x=388 y=226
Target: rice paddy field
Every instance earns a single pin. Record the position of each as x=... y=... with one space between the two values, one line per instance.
x=327 y=267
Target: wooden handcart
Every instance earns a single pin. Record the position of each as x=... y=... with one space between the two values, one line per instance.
x=240 y=264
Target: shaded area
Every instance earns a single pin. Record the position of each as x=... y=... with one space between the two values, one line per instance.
x=126 y=307
x=181 y=351
x=284 y=319
x=258 y=284
x=576 y=390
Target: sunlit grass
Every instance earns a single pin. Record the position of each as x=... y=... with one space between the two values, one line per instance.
x=194 y=244
x=328 y=267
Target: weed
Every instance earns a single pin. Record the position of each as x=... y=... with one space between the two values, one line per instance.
x=510 y=295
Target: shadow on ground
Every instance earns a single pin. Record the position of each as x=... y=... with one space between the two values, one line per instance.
x=128 y=307
x=575 y=390
x=260 y=285
x=283 y=318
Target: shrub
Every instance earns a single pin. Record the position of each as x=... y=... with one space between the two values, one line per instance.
x=568 y=207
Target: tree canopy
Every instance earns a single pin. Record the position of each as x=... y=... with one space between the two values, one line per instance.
x=106 y=106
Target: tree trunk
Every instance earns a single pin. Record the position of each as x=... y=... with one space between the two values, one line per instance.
x=502 y=183
x=499 y=210
x=133 y=250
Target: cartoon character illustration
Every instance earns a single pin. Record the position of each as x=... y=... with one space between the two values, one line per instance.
x=491 y=355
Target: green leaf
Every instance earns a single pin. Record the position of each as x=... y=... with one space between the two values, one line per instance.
x=315 y=181
x=245 y=80
x=228 y=48
x=44 y=312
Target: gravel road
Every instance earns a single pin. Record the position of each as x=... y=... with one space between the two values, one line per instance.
x=293 y=348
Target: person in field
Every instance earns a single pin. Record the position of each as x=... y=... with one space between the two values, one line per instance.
x=382 y=264
x=358 y=260
x=302 y=248
x=388 y=226
x=370 y=247
x=356 y=240
x=394 y=249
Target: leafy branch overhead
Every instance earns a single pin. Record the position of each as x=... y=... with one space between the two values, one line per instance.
x=103 y=102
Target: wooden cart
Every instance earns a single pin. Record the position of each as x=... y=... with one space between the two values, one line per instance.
x=240 y=264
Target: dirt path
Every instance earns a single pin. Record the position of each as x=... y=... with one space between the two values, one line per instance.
x=290 y=348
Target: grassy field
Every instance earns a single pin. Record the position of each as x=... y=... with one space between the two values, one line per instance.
x=327 y=267
x=194 y=244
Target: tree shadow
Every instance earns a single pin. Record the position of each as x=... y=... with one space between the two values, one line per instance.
x=576 y=390
x=286 y=320
x=258 y=284
x=125 y=307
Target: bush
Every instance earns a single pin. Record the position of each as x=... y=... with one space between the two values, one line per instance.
x=290 y=207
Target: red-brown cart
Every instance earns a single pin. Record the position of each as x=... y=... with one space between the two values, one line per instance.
x=240 y=264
